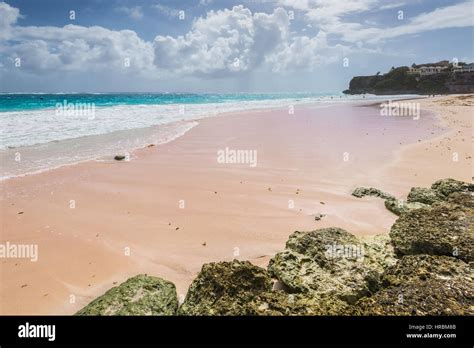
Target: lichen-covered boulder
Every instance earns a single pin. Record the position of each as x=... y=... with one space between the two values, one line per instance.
x=140 y=295
x=360 y=192
x=422 y=285
x=423 y=195
x=399 y=207
x=332 y=262
x=439 y=191
x=240 y=288
x=281 y=303
x=445 y=187
x=445 y=228
x=379 y=250
x=224 y=288
x=462 y=198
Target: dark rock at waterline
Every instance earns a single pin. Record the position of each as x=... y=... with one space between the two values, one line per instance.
x=120 y=157
x=332 y=262
x=444 y=228
x=240 y=288
x=422 y=285
x=360 y=192
x=140 y=295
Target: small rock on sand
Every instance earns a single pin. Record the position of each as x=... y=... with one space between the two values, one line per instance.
x=319 y=216
x=119 y=157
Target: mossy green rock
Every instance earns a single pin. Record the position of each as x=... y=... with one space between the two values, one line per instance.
x=422 y=285
x=445 y=187
x=399 y=207
x=240 y=288
x=445 y=228
x=423 y=195
x=439 y=191
x=360 y=192
x=462 y=198
x=332 y=262
x=140 y=295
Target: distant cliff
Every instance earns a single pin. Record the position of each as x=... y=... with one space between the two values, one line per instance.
x=403 y=80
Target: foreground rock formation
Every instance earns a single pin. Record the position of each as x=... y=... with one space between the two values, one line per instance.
x=240 y=288
x=140 y=295
x=332 y=262
x=422 y=285
x=420 y=268
x=444 y=228
x=399 y=206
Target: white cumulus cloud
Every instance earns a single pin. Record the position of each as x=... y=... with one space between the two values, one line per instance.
x=331 y=17
x=135 y=12
x=224 y=42
x=229 y=40
x=306 y=53
x=8 y=17
x=71 y=47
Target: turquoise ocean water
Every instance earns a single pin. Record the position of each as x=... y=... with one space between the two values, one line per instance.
x=22 y=102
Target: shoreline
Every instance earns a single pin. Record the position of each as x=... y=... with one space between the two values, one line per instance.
x=10 y=151
x=226 y=207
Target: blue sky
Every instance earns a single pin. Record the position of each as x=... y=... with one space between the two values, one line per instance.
x=222 y=46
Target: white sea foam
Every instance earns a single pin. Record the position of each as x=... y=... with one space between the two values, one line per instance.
x=42 y=157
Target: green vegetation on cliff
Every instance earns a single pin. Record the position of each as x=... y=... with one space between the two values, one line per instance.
x=405 y=80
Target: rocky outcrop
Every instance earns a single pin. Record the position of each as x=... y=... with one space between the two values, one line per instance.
x=418 y=197
x=400 y=81
x=445 y=228
x=422 y=285
x=360 y=192
x=462 y=198
x=423 y=195
x=399 y=206
x=240 y=288
x=446 y=187
x=420 y=268
x=140 y=295
x=439 y=191
x=332 y=262
x=218 y=284
x=396 y=206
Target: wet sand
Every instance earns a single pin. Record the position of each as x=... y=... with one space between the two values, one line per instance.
x=174 y=207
